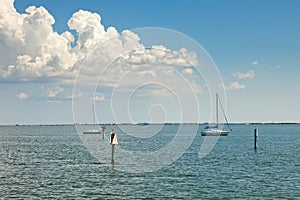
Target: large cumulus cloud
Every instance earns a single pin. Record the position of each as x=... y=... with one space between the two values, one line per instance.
x=30 y=49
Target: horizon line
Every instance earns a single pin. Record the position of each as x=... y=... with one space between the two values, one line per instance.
x=143 y=123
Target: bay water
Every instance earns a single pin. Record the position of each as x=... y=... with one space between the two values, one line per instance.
x=41 y=162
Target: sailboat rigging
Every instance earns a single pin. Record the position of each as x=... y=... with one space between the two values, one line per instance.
x=215 y=130
x=93 y=131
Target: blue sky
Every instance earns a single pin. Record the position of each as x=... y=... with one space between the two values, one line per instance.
x=255 y=45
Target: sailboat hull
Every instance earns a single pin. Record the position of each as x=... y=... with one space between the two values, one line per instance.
x=92 y=132
x=214 y=132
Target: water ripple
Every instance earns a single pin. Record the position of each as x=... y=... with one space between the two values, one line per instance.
x=50 y=162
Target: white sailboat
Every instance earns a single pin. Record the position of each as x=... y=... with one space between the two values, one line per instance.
x=215 y=130
x=93 y=131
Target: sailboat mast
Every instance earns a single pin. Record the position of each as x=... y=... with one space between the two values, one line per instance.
x=224 y=115
x=94 y=118
x=217 y=109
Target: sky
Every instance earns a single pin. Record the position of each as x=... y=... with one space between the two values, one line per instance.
x=60 y=59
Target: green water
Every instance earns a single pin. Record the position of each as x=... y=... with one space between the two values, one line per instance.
x=52 y=162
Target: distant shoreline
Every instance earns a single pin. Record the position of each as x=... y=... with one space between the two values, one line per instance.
x=145 y=124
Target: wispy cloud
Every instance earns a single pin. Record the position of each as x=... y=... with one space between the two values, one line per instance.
x=188 y=71
x=53 y=92
x=22 y=95
x=159 y=54
x=74 y=96
x=99 y=97
x=235 y=86
x=240 y=75
x=255 y=62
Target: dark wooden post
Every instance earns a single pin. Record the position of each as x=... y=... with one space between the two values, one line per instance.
x=103 y=129
x=255 y=138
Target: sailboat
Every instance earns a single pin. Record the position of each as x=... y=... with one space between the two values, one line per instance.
x=93 y=131
x=215 y=130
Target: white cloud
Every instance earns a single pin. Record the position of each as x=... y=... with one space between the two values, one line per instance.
x=53 y=92
x=30 y=50
x=161 y=55
x=22 y=95
x=144 y=73
x=99 y=97
x=29 y=47
x=235 y=86
x=188 y=71
x=255 y=62
x=74 y=96
x=249 y=74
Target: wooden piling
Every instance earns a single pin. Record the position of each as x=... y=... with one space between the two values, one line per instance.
x=103 y=129
x=255 y=138
x=112 y=154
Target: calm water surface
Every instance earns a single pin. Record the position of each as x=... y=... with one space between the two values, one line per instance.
x=52 y=162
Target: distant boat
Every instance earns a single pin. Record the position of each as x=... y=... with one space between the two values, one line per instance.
x=93 y=131
x=215 y=130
